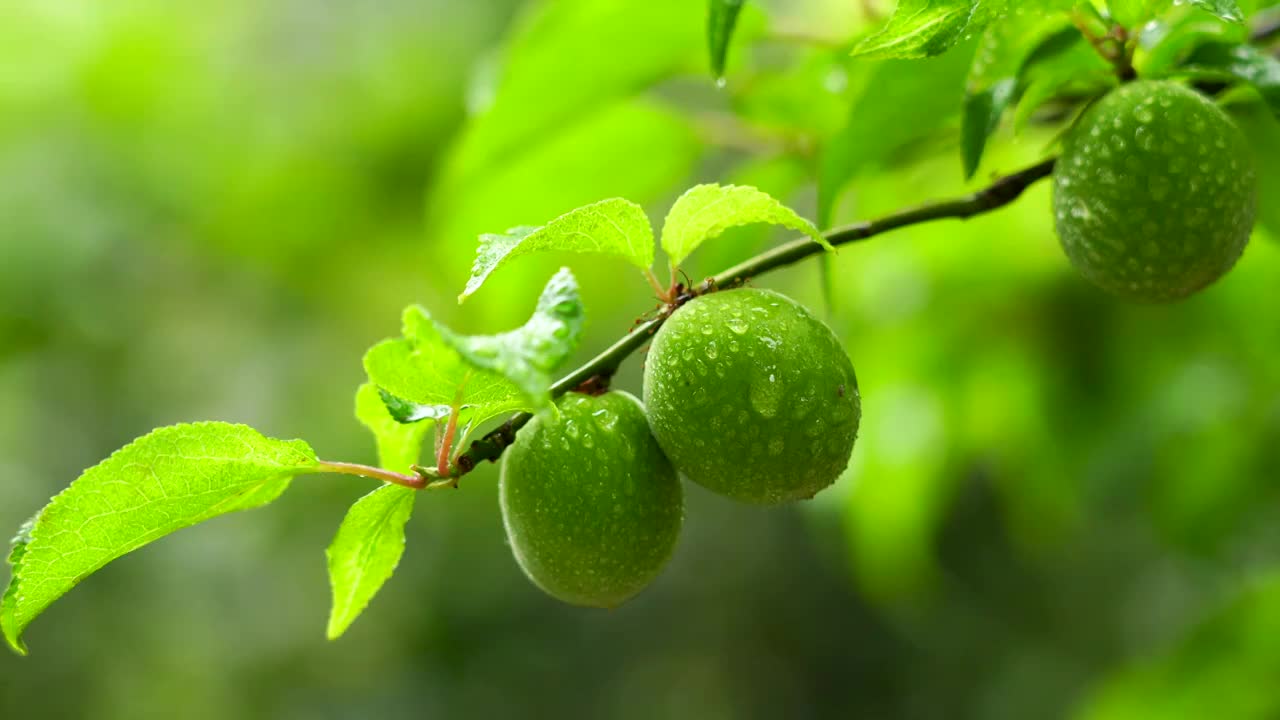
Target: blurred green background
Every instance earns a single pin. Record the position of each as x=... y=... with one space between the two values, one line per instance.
x=1060 y=505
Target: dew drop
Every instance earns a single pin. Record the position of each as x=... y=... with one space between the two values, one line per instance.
x=711 y=350
x=738 y=325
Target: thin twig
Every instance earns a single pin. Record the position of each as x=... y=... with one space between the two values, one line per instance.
x=996 y=195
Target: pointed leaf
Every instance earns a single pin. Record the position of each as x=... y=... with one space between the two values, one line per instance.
x=399 y=444
x=705 y=211
x=722 y=16
x=366 y=551
x=924 y=28
x=614 y=227
x=172 y=478
x=486 y=376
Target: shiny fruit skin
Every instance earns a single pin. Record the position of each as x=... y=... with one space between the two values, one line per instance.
x=752 y=397
x=1155 y=193
x=591 y=506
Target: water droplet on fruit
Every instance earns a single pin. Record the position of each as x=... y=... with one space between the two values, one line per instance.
x=711 y=350
x=605 y=419
x=765 y=396
x=571 y=429
x=738 y=325
x=776 y=445
x=1144 y=114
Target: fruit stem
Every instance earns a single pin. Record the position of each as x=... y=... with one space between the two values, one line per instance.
x=996 y=195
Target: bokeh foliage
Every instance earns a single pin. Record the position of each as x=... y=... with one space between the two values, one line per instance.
x=1060 y=505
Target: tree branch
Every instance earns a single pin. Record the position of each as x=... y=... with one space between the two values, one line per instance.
x=996 y=195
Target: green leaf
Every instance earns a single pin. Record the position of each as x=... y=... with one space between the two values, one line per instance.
x=871 y=137
x=1166 y=42
x=399 y=444
x=1064 y=66
x=981 y=117
x=485 y=375
x=705 y=211
x=404 y=411
x=996 y=74
x=528 y=355
x=615 y=227
x=722 y=16
x=924 y=28
x=1228 y=10
x=366 y=551
x=169 y=479
x=1247 y=63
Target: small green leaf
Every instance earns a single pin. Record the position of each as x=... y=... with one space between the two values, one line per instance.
x=484 y=375
x=172 y=478
x=614 y=227
x=405 y=412
x=705 y=211
x=1227 y=61
x=1228 y=10
x=722 y=16
x=366 y=551
x=982 y=111
x=528 y=355
x=1064 y=66
x=924 y=28
x=399 y=444
x=995 y=76
x=918 y=28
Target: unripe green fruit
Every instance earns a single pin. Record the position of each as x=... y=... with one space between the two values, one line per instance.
x=591 y=505
x=752 y=397
x=1155 y=193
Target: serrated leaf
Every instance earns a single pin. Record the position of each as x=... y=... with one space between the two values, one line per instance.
x=433 y=366
x=994 y=78
x=722 y=17
x=399 y=443
x=924 y=28
x=1227 y=61
x=528 y=355
x=705 y=211
x=171 y=478
x=365 y=552
x=615 y=227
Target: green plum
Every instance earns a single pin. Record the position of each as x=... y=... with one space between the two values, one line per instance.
x=1155 y=193
x=752 y=397
x=591 y=506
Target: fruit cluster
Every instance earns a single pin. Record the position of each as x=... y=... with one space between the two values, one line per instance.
x=746 y=394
